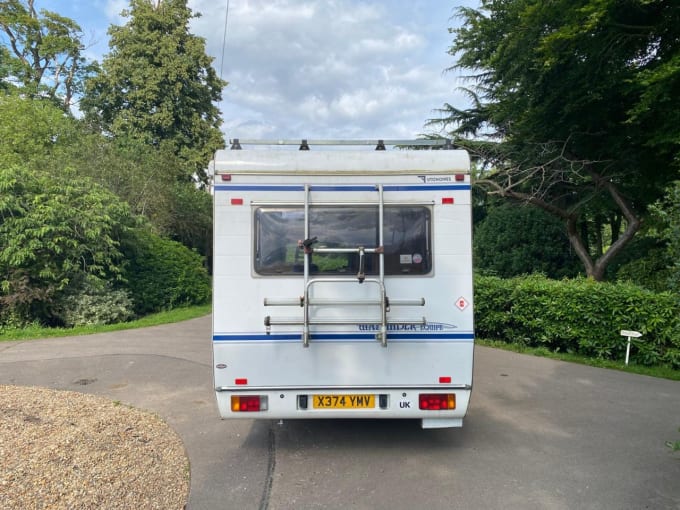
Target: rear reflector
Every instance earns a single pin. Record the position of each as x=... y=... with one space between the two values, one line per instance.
x=445 y=379
x=236 y=201
x=248 y=404
x=460 y=177
x=447 y=200
x=226 y=177
x=241 y=381
x=437 y=401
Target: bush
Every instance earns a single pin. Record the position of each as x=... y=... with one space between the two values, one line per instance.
x=580 y=316
x=650 y=270
x=513 y=240
x=162 y=274
x=93 y=302
x=55 y=229
x=652 y=259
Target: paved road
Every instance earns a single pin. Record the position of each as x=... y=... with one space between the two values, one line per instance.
x=540 y=434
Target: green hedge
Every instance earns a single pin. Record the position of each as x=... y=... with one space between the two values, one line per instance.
x=579 y=316
x=162 y=274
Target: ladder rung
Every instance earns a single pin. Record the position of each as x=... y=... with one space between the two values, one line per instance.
x=347 y=250
x=334 y=302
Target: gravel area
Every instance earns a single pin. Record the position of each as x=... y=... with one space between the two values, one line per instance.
x=67 y=450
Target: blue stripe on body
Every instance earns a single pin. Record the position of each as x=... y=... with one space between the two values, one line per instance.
x=400 y=187
x=277 y=337
x=427 y=187
x=259 y=187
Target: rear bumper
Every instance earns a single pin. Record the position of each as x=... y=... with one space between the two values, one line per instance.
x=388 y=403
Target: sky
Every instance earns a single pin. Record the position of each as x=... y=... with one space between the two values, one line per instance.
x=315 y=69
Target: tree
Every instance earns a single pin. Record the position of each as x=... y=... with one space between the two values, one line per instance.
x=191 y=219
x=43 y=52
x=560 y=110
x=157 y=85
x=35 y=131
x=668 y=212
x=657 y=266
x=54 y=231
x=72 y=251
x=144 y=178
x=514 y=240
x=58 y=230
x=5 y=59
x=151 y=182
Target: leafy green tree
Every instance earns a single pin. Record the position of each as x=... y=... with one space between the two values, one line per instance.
x=58 y=229
x=151 y=182
x=565 y=97
x=67 y=239
x=191 y=219
x=42 y=52
x=144 y=178
x=657 y=265
x=513 y=240
x=5 y=59
x=669 y=212
x=35 y=131
x=157 y=85
x=54 y=230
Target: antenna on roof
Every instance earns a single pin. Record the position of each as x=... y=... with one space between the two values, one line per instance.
x=224 y=39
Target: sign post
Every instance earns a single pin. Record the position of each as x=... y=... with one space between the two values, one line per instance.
x=629 y=334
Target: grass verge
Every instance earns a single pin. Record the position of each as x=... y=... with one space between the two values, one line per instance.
x=176 y=315
x=663 y=372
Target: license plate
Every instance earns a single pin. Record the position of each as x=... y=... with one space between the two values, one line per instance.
x=344 y=401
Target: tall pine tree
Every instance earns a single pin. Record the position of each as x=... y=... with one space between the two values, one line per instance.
x=573 y=108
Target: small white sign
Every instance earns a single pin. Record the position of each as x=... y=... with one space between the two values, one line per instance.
x=634 y=334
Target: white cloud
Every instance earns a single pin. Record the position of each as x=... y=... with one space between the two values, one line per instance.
x=113 y=10
x=320 y=68
x=328 y=68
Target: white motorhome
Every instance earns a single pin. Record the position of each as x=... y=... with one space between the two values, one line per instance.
x=342 y=282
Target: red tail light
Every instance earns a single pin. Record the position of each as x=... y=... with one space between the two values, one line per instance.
x=437 y=401
x=248 y=404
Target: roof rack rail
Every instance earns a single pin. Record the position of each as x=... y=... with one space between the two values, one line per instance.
x=304 y=144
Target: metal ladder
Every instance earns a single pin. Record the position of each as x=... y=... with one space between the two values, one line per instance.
x=305 y=302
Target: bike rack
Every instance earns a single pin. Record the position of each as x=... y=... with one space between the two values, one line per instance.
x=382 y=302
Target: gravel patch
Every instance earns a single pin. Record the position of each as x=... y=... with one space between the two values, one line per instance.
x=67 y=450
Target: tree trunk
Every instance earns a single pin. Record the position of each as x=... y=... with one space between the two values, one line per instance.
x=595 y=269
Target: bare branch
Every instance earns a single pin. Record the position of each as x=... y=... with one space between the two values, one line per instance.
x=547 y=184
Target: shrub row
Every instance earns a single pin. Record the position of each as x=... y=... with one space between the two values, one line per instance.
x=157 y=274
x=162 y=274
x=579 y=316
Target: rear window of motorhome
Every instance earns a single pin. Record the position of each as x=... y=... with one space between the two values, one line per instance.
x=406 y=238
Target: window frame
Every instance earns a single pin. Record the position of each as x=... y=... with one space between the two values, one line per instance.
x=396 y=263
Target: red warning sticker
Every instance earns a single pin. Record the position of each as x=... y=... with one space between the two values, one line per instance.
x=462 y=303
